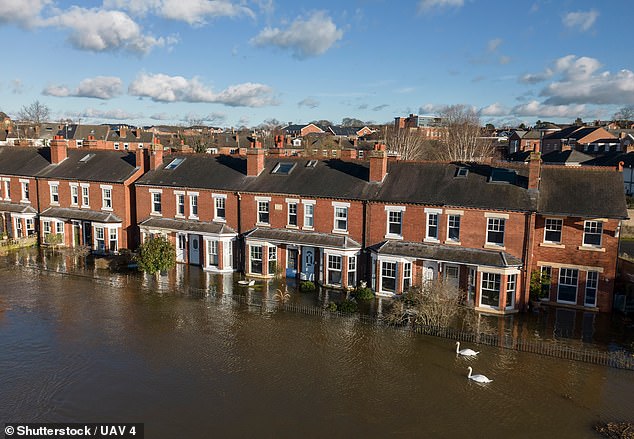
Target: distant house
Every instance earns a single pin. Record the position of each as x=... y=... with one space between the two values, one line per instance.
x=303 y=130
x=573 y=137
x=520 y=141
x=341 y=131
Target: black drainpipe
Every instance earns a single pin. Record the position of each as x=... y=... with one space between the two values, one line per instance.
x=240 y=238
x=363 y=240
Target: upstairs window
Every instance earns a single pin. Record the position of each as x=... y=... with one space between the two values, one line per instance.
x=74 y=195
x=263 y=212
x=180 y=204
x=54 y=193
x=453 y=228
x=85 y=196
x=341 y=219
x=106 y=198
x=193 y=206
x=432 y=226
x=395 y=222
x=220 y=208
x=592 y=231
x=495 y=231
x=156 y=202
x=292 y=214
x=552 y=230
x=309 y=212
x=25 y=191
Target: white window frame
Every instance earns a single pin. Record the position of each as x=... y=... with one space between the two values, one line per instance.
x=309 y=217
x=74 y=194
x=394 y=210
x=25 y=191
x=430 y=213
x=113 y=236
x=178 y=196
x=564 y=274
x=511 y=288
x=54 y=192
x=153 y=202
x=260 y=204
x=212 y=253
x=407 y=276
x=592 y=283
x=490 y=278
x=352 y=271
x=100 y=231
x=337 y=208
x=552 y=227
x=7 y=188
x=252 y=248
x=596 y=228
x=85 y=195
x=450 y=227
x=220 y=198
x=382 y=262
x=290 y=205
x=193 y=205
x=332 y=260
x=494 y=224
x=104 y=198
x=271 y=262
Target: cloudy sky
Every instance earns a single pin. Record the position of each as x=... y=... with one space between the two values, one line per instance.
x=240 y=62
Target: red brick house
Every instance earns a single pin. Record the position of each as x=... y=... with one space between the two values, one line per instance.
x=86 y=197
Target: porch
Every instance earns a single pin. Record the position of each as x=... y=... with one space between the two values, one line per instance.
x=17 y=220
x=328 y=259
x=490 y=278
x=207 y=244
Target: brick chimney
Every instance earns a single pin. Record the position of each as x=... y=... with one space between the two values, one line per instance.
x=122 y=131
x=279 y=142
x=619 y=167
x=378 y=163
x=137 y=133
x=142 y=161
x=534 y=170
x=156 y=155
x=255 y=162
x=59 y=149
x=90 y=142
x=256 y=144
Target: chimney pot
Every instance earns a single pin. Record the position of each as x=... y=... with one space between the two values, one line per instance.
x=255 y=162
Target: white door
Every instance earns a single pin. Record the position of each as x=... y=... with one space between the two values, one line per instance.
x=181 y=240
x=308 y=263
x=194 y=249
x=430 y=270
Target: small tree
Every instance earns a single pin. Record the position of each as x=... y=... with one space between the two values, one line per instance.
x=464 y=141
x=435 y=303
x=35 y=113
x=540 y=285
x=156 y=255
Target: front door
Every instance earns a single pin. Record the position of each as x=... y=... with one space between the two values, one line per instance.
x=291 y=263
x=194 y=249
x=18 y=228
x=181 y=241
x=76 y=233
x=87 y=234
x=308 y=263
x=430 y=270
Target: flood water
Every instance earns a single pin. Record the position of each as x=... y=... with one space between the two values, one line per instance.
x=73 y=350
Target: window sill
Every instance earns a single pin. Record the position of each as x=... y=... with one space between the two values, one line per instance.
x=179 y=216
x=432 y=240
x=220 y=220
x=453 y=242
x=54 y=204
x=156 y=214
x=193 y=218
x=25 y=201
x=551 y=245
x=340 y=232
x=308 y=228
x=288 y=226
x=591 y=249
x=107 y=209
x=393 y=236
x=263 y=224
x=493 y=247
x=85 y=206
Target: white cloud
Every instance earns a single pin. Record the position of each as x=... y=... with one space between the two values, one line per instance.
x=164 y=88
x=214 y=118
x=425 y=6
x=100 y=87
x=493 y=44
x=495 y=109
x=162 y=116
x=304 y=37
x=17 y=86
x=431 y=108
x=308 y=102
x=537 y=109
x=580 y=20
x=25 y=13
x=115 y=114
x=99 y=30
x=193 y=12
x=380 y=107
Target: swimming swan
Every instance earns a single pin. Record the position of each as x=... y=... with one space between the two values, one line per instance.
x=465 y=352
x=477 y=378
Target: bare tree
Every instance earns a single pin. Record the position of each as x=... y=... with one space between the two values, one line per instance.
x=410 y=144
x=624 y=114
x=35 y=113
x=463 y=141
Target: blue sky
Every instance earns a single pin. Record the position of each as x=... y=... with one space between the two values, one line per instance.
x=241 y=62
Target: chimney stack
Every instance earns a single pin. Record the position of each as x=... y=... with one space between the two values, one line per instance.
x=122 y=131
x=141 y=160
x=348 y=154
x=255 y=162
x=156 y=155
x=59 y=149
x=619 y=167
x=378 y=164
x=279 y=142
x=534 y=170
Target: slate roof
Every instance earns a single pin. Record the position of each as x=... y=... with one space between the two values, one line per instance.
x=17 y=208
x=21 y=161
x=564 y=133
x=612 y=159
x=81 y=214
x=104 y=166
x=188 y=225
x=301 y=237
x=447 y=253
x=582 y=192
x=595 y=192
x=81 y=132
x=344 y=131
x=566 y=157
x=130 y=136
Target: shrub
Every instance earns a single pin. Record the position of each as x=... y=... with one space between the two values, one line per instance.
x=307 y=286
x=53 y=239
x=348 y=306
x=540 y=285
x=363 y=293
x=155 y=255
x=332 y=306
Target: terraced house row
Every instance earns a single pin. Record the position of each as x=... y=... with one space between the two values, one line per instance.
x=337 y=222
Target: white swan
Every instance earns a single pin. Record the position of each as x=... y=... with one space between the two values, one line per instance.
x=478 y=378
x=465 y=352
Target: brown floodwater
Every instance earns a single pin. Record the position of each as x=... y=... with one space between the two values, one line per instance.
x=197 y=366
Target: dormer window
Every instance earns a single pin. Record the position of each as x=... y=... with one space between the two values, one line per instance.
x=174 y=164
x=462 y=172
x=283 y=168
